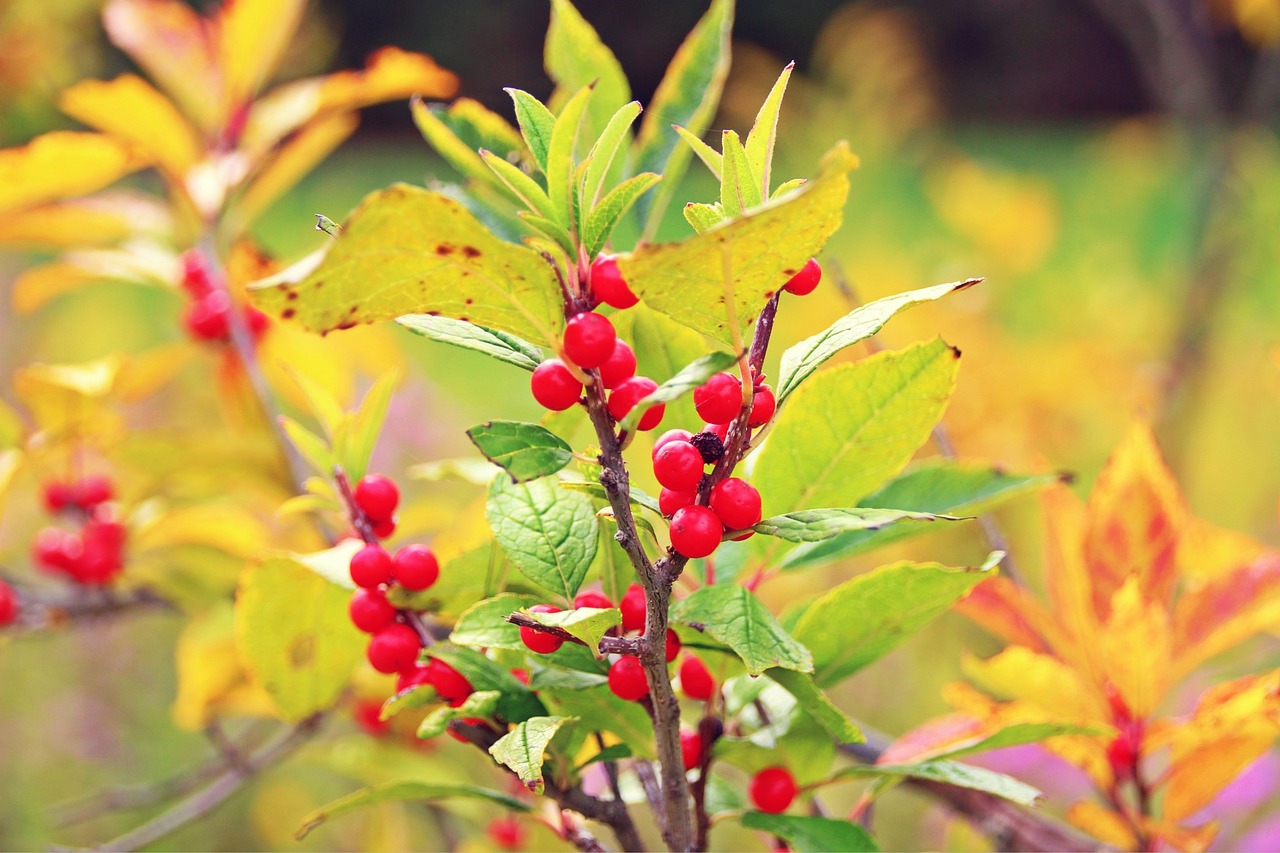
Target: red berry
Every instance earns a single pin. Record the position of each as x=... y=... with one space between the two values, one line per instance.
x=618 y=367
x=589 y=339
x=631 y=391
x=102 y=557
x=763 y=405
x=553 y=386
x=719 y=400
x=371 y=566
x=58 y=495
x=507 y=833
x=591 y=598
x=394 y=649
x=368 y=715
x=377 y=496
x=690 y=748
x=418 y=675
x=670 y=436
x=633 y=608
x=195 y=274
x=540 y=641
x=803 y=282
x=209 y=317
x=256 y=321
x=448 y=682
x=57 y=550
x=8 y=604
x=736 y=503
x=695 y=531
x=370 y=611
x=608 y=285
x=695 y=679
x=678 y=465
x=92 y=491
x=384 y=528
x=415 y=567
x=773 y=789
x=673 y=645
x=670 y=500
x=627 y=679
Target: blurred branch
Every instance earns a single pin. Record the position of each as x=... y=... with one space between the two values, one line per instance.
x=39 y=609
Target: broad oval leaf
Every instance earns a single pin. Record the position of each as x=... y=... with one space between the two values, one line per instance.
x=484 y=625
x=853 y=427
x=758 y=253
x=864 y=618
x=525 y=451
x=574 y=57
x=813 y=834
x=801 y=360
x=733 y=615
x=950 y=773
x=459 y=333
x=817 y=525
x=549 y=533
x=400 y=791
x=407 y=250
x=690 y=377
x=817 y=705
x=588 y=624
x=524 y=748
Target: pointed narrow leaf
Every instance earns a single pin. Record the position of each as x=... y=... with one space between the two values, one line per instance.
x=526 y=188
x=365 y=425
x=713 y=159
x=407 y=250
x=525 y=451
x=536 y=123
x=405 y=791
x=551 y=229
x=703 y=217
x=864 y=618
x=787 y=186
x=560 y=163
x=638 y=497
x=691 y=376
x=310 y=446
x=575 y=57
x=762 y=250
x=817 y=705
x=484 y=625
x=525 y=748
x=605 y=150
x=801 y=360
x=605 y=217
x=951 y=773
x=459 y=333
x=734 y=616
x=854 y=426
x=816 y=525
x=455 y=152
x=688 y=96
x=738 y=190
x=479 y=127
x=813 y=834
x=759 y=146
x=588 y=624
x=481 y=703
x=549 y=533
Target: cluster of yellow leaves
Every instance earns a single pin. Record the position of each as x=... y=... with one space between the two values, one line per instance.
x=1140 y=594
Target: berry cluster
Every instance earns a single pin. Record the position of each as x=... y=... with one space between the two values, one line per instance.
x=394 y=645
x=208 y=315
x=679 y=461
x=93 y=554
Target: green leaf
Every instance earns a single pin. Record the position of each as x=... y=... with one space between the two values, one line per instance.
x=616 y=752
x=759 y=147
x=816 y=704
x=688 y=96
x=479 y=127
x=939 y=486
x=364 y=427
x=663 y=347
x=294 y=635
x=813 y=834
x=950 y=773
x=457 y=153
x=458 y=333
x=600 y=711
x=525 y=451
x=738 y=190
x=734 y=616
x=481 y=704
x=816 y=525
x=864 y=618
x=691 y=376
x=602 y=154
x=412 y=251
x=575 y=57
x=549 y=533
x=560 y=163
x=703 y=217
x=1015 y=735
x=524 y=748
x=800 y=361
x=310 y=446
x=787 y=186
x=588 y=624
x=639 y=498
x=333 y=564
x=605 y=217
x=517 y=702
x=712 y=158
x=526 y=188
x=717 y=282
x=552 y=230
x=853 y=427
x=536 y=123
x=405 y=791
x=484 y=625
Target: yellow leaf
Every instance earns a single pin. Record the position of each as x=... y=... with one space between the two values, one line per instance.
x=1134 y=515
x=1041 y=680
x=1009 y=612
x=97 y=220
x=10 y=461
x=129 y=108
x=174 y=45
x=296 y=158
x=210 y=679
x=227 y=527
x=137 y=261
x=1206 y=551
x=251 y=36
x=1070 y=587
x=1135 y=649
x=1225 y=611
x=61 y=164
x=1103 y=824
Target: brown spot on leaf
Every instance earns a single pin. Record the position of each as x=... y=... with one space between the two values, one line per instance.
x=788 y=272
x=291 y=295
x=471 y=251
x=287 y=313
x=468 y=301
x=955 y=351
x=302 y=651
x=319 y=284
x=464 y=319
x=344 y=325
x=433 y=313
x=444 y=249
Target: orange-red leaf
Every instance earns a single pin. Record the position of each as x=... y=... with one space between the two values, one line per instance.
x=1225 y=611
x=1009 y=612
x=1135 y=647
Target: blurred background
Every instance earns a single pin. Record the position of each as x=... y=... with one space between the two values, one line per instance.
x=1111 y=167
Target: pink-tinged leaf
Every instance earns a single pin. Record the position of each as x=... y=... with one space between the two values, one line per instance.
x=1103 y=824
x=1135 y=512
x=1226 y=611
x=1040 y=680
x=932 y=737
x=1067 y=577
x=1134 y=649
x=1009 y=612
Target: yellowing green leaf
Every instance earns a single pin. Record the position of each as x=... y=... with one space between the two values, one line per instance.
x=536 y=124
x=738 y=190
x=211 y=681
x=851 y=428
x=524 y=748
x=717 y=282
x=817 y=525
x=499 y=345
x=759 y=145
x=575 y=57
x=413 y=791
x=411 y=251
x=817 y=705
x=364 y=426
x=485 y=625
x=295 y=636
x=689 y=377
x=588 y=624
x=252 y=34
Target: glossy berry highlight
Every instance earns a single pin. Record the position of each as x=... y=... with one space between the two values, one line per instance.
x=608 y=285
x=719 y=400
x=773 y=790
x=624 y=398
x=618 y=367
x=377 y=496
x=370 y=611
x=371 y=566
x=736 y=503
x=695 y=679
x=415 y=567
x=763 y=405
x=394 y=649
x=803 y=282
x=553 y=386
x=678 y=465
x=695 y=531
x=627 y=679
x=589 y=339
x=537 y=641
x=452 y=685
x=670 y=500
